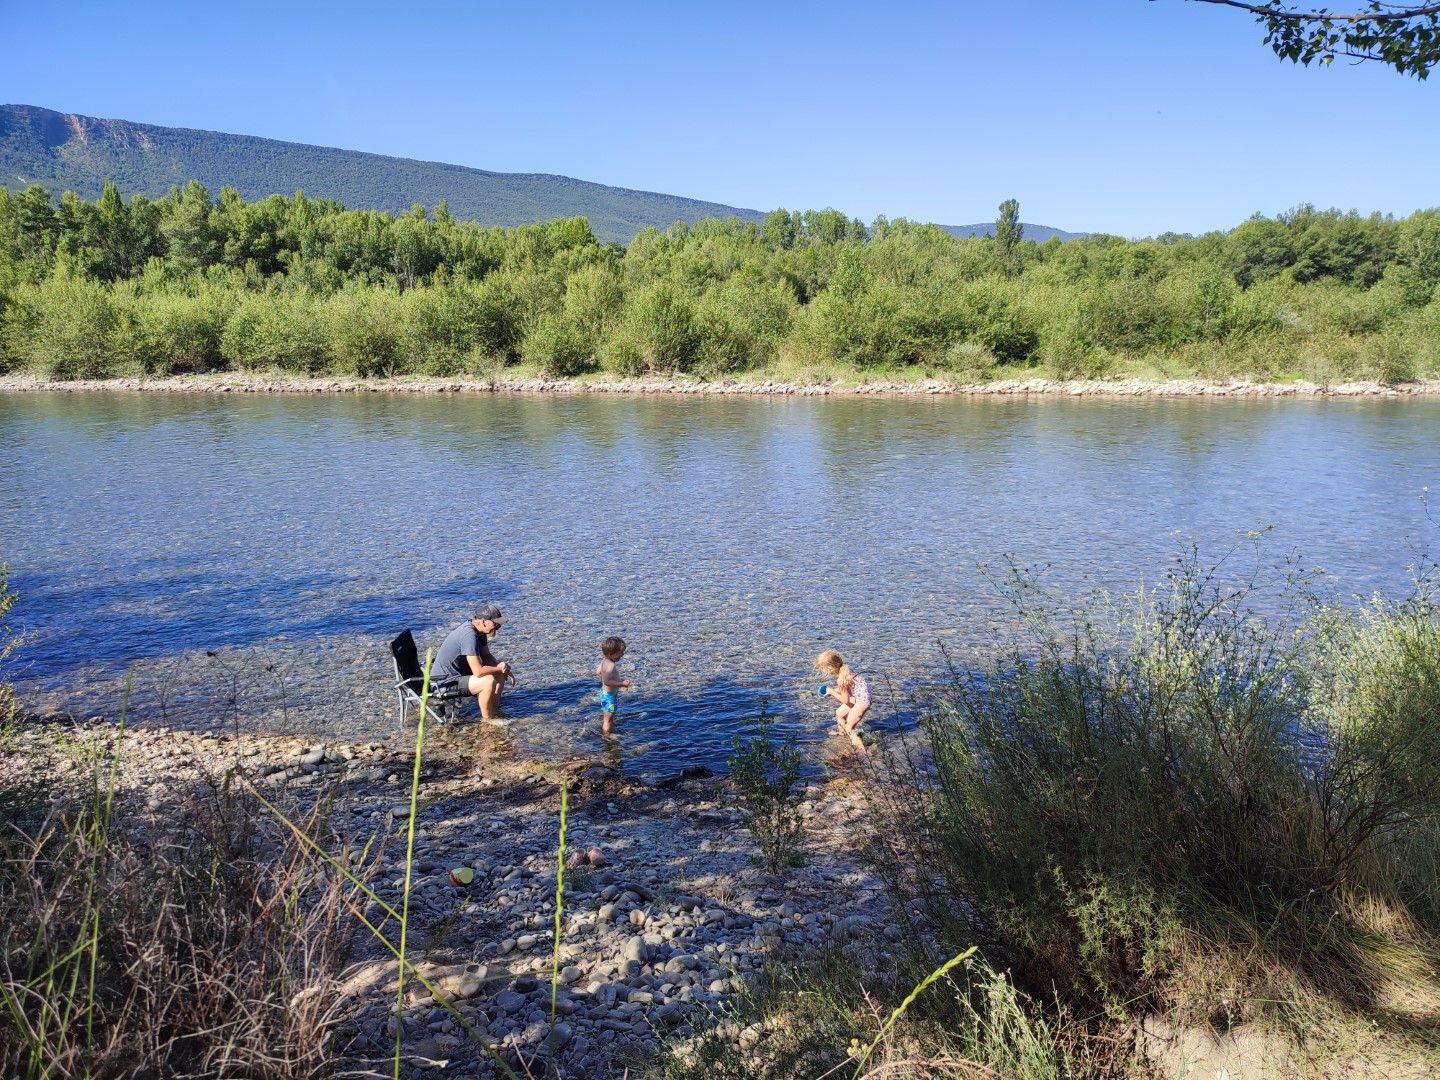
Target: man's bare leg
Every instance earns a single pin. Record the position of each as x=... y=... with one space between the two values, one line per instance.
x=487 y=690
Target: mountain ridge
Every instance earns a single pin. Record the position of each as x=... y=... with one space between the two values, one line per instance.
x=70 y=151
x=75 y=152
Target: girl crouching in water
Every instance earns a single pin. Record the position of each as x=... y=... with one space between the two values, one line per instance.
x=850 y=689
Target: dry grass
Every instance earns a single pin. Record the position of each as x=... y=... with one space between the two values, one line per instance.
x=204 y=945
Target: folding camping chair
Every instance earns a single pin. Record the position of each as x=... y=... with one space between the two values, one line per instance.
x=443 y=705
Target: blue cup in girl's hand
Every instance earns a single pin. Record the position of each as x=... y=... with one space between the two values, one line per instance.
x=822 y=690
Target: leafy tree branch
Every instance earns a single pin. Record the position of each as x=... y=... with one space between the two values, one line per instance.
x=1403 y=36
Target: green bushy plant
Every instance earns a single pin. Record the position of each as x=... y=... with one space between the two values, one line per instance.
x=558 y=346
x=275 y=330
x=502 y=307
x=659 y=332
x=765 y=773
x=62 y=327
x=176 y=332
x=1147 y=777
x=365 y=331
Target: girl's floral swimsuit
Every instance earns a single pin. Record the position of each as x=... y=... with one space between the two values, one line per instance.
x=608 y=700
x=859 y=690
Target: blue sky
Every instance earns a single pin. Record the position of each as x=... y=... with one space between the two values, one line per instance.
x=1124 y=116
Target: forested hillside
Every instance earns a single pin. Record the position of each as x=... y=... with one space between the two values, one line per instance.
x=194 y=283
x=65 y=152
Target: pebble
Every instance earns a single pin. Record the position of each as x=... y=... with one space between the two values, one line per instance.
x=509 y=1001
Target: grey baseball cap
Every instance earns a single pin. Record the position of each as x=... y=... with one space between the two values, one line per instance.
x=489 y=613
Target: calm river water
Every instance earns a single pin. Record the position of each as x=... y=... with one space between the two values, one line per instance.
x=246 y=558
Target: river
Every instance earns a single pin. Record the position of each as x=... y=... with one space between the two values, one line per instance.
x=727 y=540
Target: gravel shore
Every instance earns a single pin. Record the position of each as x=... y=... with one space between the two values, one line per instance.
x=236 y=383
x=666 y=919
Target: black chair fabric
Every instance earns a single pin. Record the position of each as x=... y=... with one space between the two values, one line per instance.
x=410 y=681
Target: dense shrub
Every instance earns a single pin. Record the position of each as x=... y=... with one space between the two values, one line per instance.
x=176 y=332
x=1136 y=783
x=60 y=328
x=659 y=332
x=277 y=331
x=559 y=346
x=365 y=330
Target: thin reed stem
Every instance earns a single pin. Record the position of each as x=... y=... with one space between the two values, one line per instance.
x=410 y=861
x=559 y=915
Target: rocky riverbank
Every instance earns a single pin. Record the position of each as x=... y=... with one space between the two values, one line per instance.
x=244 y=383
x=667 y=916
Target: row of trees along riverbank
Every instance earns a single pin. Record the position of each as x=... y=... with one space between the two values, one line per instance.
x=189 y=283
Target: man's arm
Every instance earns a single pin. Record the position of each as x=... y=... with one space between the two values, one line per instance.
x=490 y=665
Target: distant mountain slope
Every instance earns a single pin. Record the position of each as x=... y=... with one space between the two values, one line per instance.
x=79 y=153
x=1038 y=233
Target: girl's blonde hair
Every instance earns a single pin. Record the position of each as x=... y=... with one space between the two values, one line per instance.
x=829 y=661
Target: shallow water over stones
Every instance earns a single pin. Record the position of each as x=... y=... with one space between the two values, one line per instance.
x=246 y=559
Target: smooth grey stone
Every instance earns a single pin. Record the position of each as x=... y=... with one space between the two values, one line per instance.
x=510 y=1001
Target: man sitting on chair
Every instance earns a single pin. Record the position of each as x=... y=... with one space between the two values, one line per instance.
x=465 y=655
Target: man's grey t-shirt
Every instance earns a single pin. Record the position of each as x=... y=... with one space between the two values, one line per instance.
x=461 y=642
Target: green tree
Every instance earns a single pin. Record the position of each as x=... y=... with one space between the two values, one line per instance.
x=1259 y=249
x=1008 y=234
x=37 y=226
x=415 y=254
x=780 y=230
x=109 y=240
x=828 y=226
x=190 y=242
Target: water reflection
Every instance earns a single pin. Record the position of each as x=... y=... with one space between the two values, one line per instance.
x=728 y=541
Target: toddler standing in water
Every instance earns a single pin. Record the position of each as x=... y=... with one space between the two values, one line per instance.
x=612 y=649
x=851 y=690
